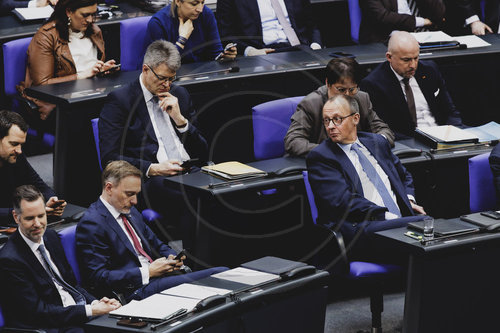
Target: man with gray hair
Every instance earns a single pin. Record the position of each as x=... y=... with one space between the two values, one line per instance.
x=148 y=124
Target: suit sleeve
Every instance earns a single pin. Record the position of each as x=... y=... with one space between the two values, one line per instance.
x=95 y=259
x=34 y=179
x=311 y=26
x=228 y=21
x=7 y=5
x=297 y=138
x=374 y=123
x=161 y=249
x=112 y=129
x=214 y=47
x=376 y=12
x=336 y=199
x=466 y=8
x=28 y=302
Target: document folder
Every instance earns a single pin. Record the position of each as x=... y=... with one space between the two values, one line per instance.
x=443 y=227
x=446 y=136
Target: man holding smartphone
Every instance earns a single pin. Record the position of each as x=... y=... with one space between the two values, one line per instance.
x=15 y=169
x=118 y=252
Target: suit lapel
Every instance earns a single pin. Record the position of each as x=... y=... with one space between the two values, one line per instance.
x=135 y=225
x=251 y=8
x=141 y=110
x=347 y=166
x=422 y=80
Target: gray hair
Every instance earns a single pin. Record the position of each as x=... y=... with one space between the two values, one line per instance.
x=351 y=101
x=162 y=52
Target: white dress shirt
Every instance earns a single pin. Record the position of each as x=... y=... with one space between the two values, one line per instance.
x=83 y=51
x=66 y=298
x=424 y=114
x=143 y=260
x=370 y=192
x=162 y=154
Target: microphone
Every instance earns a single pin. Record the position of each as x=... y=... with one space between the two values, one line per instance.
x=233 y=69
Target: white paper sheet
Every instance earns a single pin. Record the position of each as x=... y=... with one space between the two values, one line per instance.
x=195 y=291
x=246 y=276
x=471 y=41
x=431 y=36
x=35 y=13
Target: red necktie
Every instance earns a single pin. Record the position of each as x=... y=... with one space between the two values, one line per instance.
x=135 y=240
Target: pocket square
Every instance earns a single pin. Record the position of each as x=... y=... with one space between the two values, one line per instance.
x=436 y=93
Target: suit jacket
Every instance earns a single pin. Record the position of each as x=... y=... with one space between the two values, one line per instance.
x=126 y=132
x=7 y=5
x=240 y=21
x=491 y=11
x=390 y=104
x=337 y=188
x=30 y=298
x=495 y=168
x=307 y=130
x=381 y=17
x=14 y=175
x=108 y=262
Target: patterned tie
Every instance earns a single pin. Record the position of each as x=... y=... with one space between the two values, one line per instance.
x=135 y=240
x=77 y=296
x=410 y=100
x=173 y=152
x=415 y=12
x=287 y=28
x=376 y=180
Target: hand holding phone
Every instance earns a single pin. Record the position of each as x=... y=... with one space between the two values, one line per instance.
x=110 y=70
x=180 y=255
x=189 y=163
x=228 y=46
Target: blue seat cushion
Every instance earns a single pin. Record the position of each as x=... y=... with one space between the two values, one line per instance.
x=359 y=269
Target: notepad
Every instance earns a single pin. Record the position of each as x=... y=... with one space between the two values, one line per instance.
x=195 y=291
x=246 y=276
x=233 y=170
x=33 y=13
x=445 y=136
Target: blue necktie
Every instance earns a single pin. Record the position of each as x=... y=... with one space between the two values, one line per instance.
x=167 y=138
x=376 y=181
x=77 y=296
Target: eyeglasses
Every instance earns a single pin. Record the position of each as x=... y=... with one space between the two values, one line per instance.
x=337 y=121
x=350 y=91
x=163 y=78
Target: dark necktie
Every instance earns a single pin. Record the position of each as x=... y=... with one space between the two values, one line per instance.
x=135 y=240
x=376 y=180
x=287 y=28
x=77 y=296
x=410 y=100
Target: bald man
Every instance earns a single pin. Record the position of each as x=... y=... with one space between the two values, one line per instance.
x=407 y=93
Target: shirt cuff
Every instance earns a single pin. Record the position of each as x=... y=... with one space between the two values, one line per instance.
x=471 y=19
x=411 y=198
x=248 y=49
x=390 y=216
x=32 y=4
x=183 y=129
x=145 y=275
x=88 y=309
x=147 y=171
x=419 y=21
x=315 y=46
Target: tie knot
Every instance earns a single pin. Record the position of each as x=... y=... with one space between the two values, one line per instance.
x=406 y=80
x=41 y=248
x=355 y=146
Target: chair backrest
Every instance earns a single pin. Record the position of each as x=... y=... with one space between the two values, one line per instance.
x=95 y=129
x=481 y=188
x=132 y=45
x=355 y=19
x=310 y=196
x=271 y=121
x=14 y=63
x=68 y=241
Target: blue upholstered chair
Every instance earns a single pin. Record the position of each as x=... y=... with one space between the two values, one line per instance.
x=14 y=61
x=355 y=19
x=148 y=214
x=132 y=47
x=481 y=187
x=367 y=272
x=270 y=124
x=68 y=241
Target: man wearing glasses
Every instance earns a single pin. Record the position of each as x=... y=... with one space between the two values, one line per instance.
x=307 y=131
x=359 y=185
x=409 y=93
x=147 y=123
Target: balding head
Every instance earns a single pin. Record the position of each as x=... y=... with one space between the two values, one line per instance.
x=402 y=52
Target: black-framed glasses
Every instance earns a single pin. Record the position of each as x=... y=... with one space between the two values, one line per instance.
x=162 y=78
x=350 y=91
x=337 y=121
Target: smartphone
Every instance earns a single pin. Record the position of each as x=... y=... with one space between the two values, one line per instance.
x=58 y=203
x=110 y=70
x=189 y=163
x=180 y=255
x=492 y=214
x=228 y=46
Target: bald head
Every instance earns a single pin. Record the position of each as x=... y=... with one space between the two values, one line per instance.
x=402 y=52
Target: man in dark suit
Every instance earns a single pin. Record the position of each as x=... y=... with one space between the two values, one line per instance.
x=307 y=131
x=261 y=26
x=359 y=186
x=407 y=93
x=117 y=252
x=381 y=17
x=495 y=168
x=470 y=10
x=148 y=123
x=40 y=287
x=15 y=169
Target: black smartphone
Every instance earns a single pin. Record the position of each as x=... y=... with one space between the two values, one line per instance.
x=180 y=255
x=110 y=70
x=492 y=214
x=189 y=163
x=226 y=48
x=58 y=203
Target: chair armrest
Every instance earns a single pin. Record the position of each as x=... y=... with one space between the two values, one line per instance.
x=21 y=330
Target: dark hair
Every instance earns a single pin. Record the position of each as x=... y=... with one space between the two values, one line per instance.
x=341 y=68
x=61 y=19
x=9 y=118
x=115 y=171
x=25 y=192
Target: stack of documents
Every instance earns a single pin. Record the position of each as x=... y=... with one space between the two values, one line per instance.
x=246 y=276
x=445 y=136
x=233 y=170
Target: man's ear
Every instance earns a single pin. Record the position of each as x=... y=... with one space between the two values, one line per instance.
x=388 y=56
x=15 y=216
